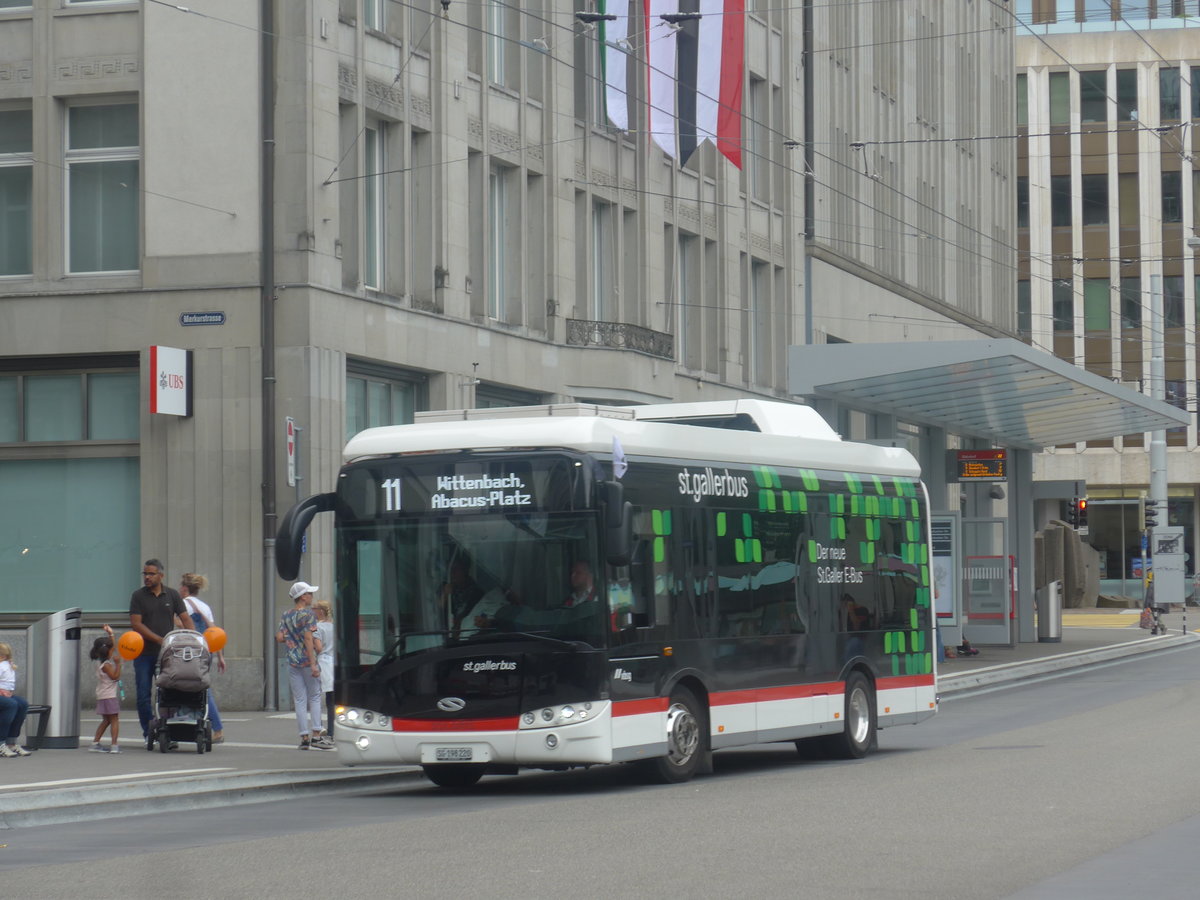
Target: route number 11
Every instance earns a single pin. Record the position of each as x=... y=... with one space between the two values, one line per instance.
x=391 y=495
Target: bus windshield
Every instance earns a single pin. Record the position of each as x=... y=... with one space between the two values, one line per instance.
x=417 y=583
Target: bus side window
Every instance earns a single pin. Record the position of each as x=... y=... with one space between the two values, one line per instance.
x=632 y=589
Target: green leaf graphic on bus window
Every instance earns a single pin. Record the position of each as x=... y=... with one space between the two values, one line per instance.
x=756 y=548
x=812 y=551
x=747 y=525
x=854 y=483
x=866 y=552
x=811 y=481
x=739 y=550
x=766 y=500
x=721 y=524
x=878 y=484
x=660 y=549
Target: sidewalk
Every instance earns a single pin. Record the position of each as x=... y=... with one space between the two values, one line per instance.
x=259 y=760
x=1089 y=637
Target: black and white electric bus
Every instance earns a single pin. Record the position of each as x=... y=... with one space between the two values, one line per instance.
x=571 y=585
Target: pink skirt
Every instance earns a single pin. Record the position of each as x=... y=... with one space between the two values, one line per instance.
x=110 y=706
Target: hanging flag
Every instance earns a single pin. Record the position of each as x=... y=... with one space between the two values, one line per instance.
x=614 y=46
x=660 y=60
x=620 y=467
x=694 y=72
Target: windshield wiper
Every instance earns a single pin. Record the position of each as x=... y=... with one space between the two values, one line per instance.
x=522 y=635
x=398 y=647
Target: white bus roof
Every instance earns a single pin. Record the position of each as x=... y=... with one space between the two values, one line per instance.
x=787 y=435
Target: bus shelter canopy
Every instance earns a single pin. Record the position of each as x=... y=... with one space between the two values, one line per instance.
x=1001 y=390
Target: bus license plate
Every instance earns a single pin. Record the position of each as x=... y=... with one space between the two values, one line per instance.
x=452 y=754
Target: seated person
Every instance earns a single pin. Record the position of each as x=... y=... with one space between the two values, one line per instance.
x=459 y=593
x=583 y=587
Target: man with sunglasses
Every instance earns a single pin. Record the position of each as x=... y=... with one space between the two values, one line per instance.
x=154 y=611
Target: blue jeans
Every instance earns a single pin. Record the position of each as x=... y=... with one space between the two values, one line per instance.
x=213 y=715
x=143 y=672
x=12 y=717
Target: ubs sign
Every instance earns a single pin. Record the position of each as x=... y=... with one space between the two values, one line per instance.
x=170 y=381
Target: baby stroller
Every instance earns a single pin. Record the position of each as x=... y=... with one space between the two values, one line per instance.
x=181 y=693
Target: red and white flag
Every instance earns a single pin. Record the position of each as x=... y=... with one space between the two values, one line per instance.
x=695 y=61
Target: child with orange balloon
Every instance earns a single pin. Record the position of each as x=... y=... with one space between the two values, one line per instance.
x=190 y=588
x=108 y=675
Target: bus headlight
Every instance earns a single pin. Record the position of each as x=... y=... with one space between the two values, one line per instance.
x=351 y=717
x=564 y=714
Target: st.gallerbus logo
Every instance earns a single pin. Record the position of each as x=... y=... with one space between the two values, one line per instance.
x=711 y=484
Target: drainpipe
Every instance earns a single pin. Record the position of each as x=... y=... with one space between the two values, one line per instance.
x=267 y=349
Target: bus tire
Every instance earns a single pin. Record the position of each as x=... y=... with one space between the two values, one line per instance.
x=454 y=775
x=686 y=739
x=858 y=731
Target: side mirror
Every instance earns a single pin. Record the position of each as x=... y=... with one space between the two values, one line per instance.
x=289 y=539
x=618 y=523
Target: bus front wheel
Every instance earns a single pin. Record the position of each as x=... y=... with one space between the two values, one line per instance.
x=454 y=775
x=685 y=739
x=858 y=734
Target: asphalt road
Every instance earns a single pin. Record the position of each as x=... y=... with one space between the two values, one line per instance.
x=1083 y=786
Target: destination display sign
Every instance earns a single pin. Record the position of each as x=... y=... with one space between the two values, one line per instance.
x=980 y=465
x=390 y=488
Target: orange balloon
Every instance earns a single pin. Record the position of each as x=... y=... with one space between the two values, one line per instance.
x=130 y=645
x=215 y=637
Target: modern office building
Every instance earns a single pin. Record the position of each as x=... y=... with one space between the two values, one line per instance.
x=1107 y=95
x=345 y=211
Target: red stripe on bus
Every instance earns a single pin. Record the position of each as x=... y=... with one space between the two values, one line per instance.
x=783 y=692
x=504 y=724
x=905 y=681
x=639 y=707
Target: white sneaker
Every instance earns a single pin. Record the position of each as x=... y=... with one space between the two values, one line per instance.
x=8 y=751
x=96 y=748
x=115 y=750
x=21 y=751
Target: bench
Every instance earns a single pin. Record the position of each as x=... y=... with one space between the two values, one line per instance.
x=43 y=714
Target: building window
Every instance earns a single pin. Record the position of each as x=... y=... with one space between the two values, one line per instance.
x=1097 y=304
x=1093 y=96
x=82 y=470
x=602 y=260
x=375 y=397
x=16 y=192
x=102 y=188
x=1022 y=99
x=1097 y=10
x=495 y=41
x=1127 y=199
x=1131 y=303
x=1094 y=191
x=1060 y=201
x=373 y=207
x=1172 y=286
x=1024 y=307
x=490 y=396
x=1127 y=100
x=1063 y=300
x=497 y=237
x=1060 y=98
x=1172 y=197
x=1168 y=93
x=373 y=13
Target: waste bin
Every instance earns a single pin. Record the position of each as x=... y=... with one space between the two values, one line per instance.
x=1049 y=613
x=52 y=675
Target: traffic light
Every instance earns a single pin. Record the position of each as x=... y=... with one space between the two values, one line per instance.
x=1073 y=513
x=1081 y=513
x=1150 y=514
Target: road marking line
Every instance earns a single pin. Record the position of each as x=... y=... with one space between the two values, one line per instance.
x=125 y=777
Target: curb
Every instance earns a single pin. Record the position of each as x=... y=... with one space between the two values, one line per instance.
x=991 y=676
x=154 y=793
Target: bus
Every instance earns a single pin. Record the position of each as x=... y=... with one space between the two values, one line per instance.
x=574 y=585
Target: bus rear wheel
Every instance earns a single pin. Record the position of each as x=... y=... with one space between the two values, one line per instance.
x=685 y=739
x=858 y=734
x=454 y=775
